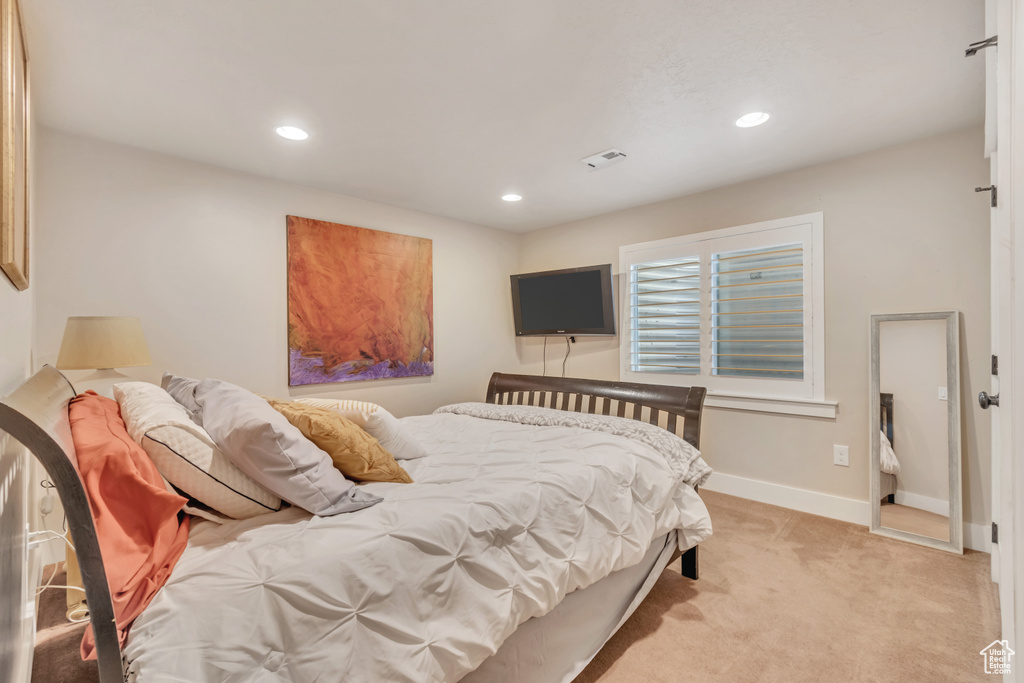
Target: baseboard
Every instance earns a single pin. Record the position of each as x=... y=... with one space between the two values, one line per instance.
x=824 y=504
x=976 y=536
x=933 y=505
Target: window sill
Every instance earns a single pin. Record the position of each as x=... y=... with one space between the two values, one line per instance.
x=779 y=406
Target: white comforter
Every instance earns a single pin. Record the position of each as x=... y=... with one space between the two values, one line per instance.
x=503 y=521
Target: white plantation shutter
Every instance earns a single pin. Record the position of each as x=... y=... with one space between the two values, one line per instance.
x=757 y=312
x=733 y=310
x=665 y=316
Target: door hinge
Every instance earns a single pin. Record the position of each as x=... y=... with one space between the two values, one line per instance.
x=990 y=188
x=995 y=365
x=995 y=533
x=973 y=48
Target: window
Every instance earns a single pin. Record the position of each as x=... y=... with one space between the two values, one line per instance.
x=740 y=310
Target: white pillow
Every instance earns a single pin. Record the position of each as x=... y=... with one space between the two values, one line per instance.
x=264 y=445
x=394 y=437
x=185 y=454
x=355 y=411
x=182 y=390
x=194 y=507
x=378 y=423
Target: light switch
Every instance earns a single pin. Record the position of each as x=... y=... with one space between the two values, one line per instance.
x=942 y=394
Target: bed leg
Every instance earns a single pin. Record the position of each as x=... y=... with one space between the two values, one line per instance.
x=892 y=498
x=691 y=568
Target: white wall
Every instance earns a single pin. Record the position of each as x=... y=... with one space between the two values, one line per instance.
x=912 y=367
x=904 y=231
x=16 y=312
x=17 y=309
x=15 y=333
x=15 y=361
x=198 y=253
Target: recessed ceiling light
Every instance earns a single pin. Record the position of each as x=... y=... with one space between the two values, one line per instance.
x=511 y=197
x=291 y=132
x=754 y=118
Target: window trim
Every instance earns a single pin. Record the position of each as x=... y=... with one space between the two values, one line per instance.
x=749 y=393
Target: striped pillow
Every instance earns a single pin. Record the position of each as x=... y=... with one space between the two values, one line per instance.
x=356 y=411
x=185 y=454
x=378 y=423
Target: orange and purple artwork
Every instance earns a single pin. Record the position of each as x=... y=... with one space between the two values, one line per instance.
x=360 y=303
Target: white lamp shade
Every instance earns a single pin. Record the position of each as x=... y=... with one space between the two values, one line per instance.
x=103 y=342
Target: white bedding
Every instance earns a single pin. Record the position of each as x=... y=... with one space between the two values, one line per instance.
x=887 y=461
x=503 y=521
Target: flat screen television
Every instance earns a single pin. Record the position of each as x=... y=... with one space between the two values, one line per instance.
x=573 y=301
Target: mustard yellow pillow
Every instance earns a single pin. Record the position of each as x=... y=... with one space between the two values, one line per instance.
x=354 y=452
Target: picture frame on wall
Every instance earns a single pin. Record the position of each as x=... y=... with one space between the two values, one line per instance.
x=14 y=146
x=360 y=303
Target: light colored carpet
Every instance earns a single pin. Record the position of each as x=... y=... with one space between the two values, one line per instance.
x=787 y=596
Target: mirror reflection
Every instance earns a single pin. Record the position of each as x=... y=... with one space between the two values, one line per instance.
x=913 y=435
x=915 y=463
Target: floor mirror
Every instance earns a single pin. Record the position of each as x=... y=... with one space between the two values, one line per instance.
x=916 y=486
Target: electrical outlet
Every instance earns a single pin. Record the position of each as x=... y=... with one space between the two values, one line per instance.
x=841 y=455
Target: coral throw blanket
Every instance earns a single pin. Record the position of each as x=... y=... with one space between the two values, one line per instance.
x=136 y=517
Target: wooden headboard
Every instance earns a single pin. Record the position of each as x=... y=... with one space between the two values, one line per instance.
x=36 y=414
x=885 y=419
x=645 y=402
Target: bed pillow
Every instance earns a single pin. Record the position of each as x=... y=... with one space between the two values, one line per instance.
x=182 y=390
x=186 y=455
x=386 y=428
x=378 y=422
x=355 y=453
x=136 y=518
x=264 y=445
x=356 y=411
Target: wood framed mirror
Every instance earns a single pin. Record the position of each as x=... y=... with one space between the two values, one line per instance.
x=914 y=429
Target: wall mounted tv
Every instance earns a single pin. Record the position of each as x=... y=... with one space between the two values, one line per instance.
x=573 y=301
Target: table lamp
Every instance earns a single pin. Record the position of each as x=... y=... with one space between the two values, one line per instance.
x=103 y=343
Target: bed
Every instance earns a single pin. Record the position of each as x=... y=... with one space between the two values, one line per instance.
x=541 y=618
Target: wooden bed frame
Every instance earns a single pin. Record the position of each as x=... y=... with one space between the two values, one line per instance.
x=570 y=393
x=36 y=415
x=643 y=402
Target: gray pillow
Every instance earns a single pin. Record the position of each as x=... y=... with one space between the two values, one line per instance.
x=263 y=444
x=183 y=390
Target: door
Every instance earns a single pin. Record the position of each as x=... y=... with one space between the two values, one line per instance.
x=1004 y=119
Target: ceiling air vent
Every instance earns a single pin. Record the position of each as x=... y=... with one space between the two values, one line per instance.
x=602 y=159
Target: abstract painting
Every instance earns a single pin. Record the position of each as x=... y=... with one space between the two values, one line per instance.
x=360 y=303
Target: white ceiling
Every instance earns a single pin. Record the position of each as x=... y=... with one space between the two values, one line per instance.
x=444 y=106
